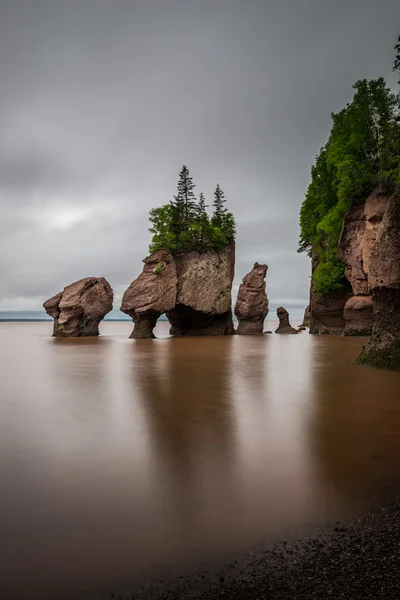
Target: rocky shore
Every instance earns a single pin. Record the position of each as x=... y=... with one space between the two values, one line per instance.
x=359 y=560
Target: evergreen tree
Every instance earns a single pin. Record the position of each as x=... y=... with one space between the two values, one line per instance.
x=362 y=154
x=183 y=225
x=397 y=57
x=219 y=208
x=203 y=222
x=184 y=203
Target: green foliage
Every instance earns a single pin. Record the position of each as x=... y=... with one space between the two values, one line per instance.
x=159 y=269
x=184 y=225
x=362 y=154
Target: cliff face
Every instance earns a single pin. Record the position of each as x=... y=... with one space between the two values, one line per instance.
x=383 y=349
x=151 y=294
x=79 y=308
x=252 y=302
x=359 y=233
x=351 y=311
x=203 y=299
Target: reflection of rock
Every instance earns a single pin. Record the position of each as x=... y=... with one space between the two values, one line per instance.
x=284 y=325
x=79 y=308
x=151 y=294
x=327 y=311
x=383 y=349
x=252 y=302
x=203 y=301
x=358 y=314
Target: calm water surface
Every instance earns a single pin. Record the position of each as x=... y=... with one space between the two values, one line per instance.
x=122 y=457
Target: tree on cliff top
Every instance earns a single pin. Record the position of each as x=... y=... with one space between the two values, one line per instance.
x=184 y=225
x=397 y=57
x=362 y=154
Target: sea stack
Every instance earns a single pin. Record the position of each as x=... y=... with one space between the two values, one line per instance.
x=151 y=294
x=79 y=308
x=252 y=302
x=284 y=324
x=203 y=300
x=383 y=349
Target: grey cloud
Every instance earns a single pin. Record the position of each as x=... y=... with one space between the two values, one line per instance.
x=101 y=102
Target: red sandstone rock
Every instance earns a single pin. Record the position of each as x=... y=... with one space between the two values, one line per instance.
x=383 y=349
x=284 y=324
x=79 y=308
x=151 y=294
x=359 y=317
x=252 y=302
x=204 y=301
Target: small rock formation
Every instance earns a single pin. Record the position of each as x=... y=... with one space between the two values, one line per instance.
x=203 y=300
x=79 y=308
x=326 y=313
x=151 y=294
x=359 y=315
x=284 y=324
x=383 y=349
x=307 y=317
x=252 y=302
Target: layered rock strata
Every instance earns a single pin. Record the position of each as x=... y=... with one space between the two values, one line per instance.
x=79 y=308
x=252 y=302
x=284 y=324
x=151 y=294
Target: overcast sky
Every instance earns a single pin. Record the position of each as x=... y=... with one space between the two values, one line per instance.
x=102 y=101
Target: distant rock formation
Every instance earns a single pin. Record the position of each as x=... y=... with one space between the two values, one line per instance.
x=307 y=317
x=203 y=300
x=151 y=294
x=284 y=324
x=383 y=349
x=79 y=308
x=252 y=302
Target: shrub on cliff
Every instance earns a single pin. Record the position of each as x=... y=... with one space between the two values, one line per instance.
x=362 y=154
x=184 y=225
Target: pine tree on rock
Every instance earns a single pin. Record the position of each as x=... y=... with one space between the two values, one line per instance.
x=203 y=223
x=184 y=203
x=219 y=208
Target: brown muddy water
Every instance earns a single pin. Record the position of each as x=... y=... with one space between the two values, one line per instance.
x=121 y=458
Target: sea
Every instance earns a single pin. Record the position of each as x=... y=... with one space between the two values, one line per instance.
x=123 y=459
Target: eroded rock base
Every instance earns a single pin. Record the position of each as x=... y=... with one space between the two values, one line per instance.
x=187 y=321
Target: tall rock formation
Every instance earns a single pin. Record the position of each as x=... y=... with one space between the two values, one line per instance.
x=151 y=294
x=284 y=324
x=203 y=300
x=307 y=316
x=383 y=349
x=79 y=308
x=359 y=231
x=252 y=302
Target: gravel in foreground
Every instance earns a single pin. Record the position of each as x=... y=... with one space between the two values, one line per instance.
x=357 y=561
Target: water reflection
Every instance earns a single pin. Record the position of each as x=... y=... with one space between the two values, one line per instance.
x=355 y=427
x=120 y=456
